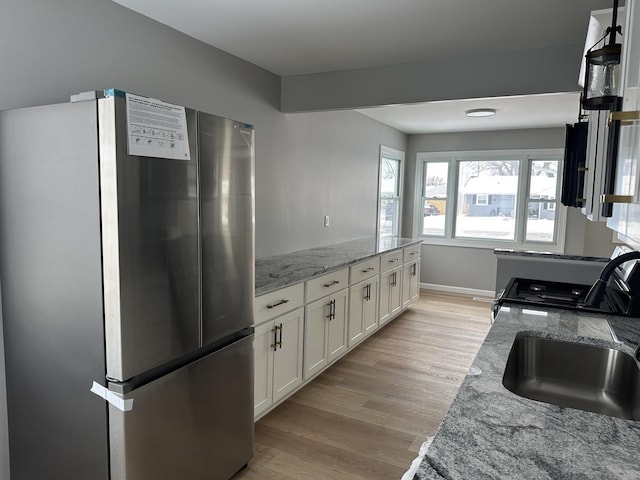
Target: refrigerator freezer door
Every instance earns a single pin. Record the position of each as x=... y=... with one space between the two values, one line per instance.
x=225 y=149
x=150 y=250
x=194 y=423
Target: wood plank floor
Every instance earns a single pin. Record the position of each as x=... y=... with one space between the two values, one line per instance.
x=367 y=415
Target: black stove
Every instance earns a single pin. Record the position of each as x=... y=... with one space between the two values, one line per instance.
x=522 y=291
x=621 y=295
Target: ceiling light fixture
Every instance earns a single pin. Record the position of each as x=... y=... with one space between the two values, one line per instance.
x=480 y=112
x=602 y=72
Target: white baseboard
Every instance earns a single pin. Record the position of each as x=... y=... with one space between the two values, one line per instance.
x=462 y=290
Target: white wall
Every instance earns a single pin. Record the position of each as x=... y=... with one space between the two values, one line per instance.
x=475 y=268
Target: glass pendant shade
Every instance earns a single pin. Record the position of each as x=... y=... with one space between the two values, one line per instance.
x=602 y=78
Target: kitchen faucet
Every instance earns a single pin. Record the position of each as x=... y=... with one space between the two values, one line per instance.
x=596 y=292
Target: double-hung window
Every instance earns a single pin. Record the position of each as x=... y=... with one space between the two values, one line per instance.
x=390 y=191
x=491 y=199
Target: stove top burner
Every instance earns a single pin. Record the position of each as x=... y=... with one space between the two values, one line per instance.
x=551 y=294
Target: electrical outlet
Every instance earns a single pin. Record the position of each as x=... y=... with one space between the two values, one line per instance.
x=326 y=220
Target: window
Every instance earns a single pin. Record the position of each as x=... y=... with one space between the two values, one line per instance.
x=390 y=191
x=491 y=198
x=482 y=199
x=435 y=191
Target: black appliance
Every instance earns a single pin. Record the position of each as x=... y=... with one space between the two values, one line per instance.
x=575 y=157
x=622 y=294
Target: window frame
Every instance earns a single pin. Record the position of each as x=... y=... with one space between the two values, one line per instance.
x=485 y=197
x=526 y=158
x=398 y=155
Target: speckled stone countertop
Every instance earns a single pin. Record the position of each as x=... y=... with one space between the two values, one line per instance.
x=281 y=270
x=491 y=433
x=547 y=255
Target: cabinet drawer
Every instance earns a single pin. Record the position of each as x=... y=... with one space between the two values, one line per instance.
x=390 y=260
x=270 y=305
x=412 y=252
x=364 y=270
x=327 y=284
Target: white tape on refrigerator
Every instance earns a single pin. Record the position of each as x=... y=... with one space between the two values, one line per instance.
x=112 y=397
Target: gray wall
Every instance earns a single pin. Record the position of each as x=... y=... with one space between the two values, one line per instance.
x=482 y=75
x=4 y=433
x=475 y=268
x=307 y=165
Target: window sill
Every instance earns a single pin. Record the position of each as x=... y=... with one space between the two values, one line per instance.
x=492 y=245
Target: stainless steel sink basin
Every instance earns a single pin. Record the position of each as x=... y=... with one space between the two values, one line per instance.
x=586 y=377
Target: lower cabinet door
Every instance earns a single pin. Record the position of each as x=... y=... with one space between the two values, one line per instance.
x=370 y=307
x=337 y=327
x=395 y=295
x=315 y=336
x=410 y=282
x=363 y=309
x=263 y=345
x=287 y=357
x=390 y=295
x=356 y=324
x=414 y=291
x=325 y=332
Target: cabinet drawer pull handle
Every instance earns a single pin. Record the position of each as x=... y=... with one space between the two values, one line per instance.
x=281 y=302
x=331 y=284
x=393 y=260
x=367 y=270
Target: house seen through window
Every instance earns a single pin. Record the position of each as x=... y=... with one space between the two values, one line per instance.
x=503 y=197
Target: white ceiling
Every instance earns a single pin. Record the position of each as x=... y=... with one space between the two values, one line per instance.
x=531 y=111
x=291 y=37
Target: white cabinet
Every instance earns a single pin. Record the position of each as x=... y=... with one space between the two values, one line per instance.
x=270 y=305
x=303 y=328
x=327 y=284
x=363 y=309
x=410 y=282
x=277 y=345
x=626 y=216
x=277 y=359
x=363 y=270
x=390 y=295
x=596 y=159
x=391 y=260
x=325 y=332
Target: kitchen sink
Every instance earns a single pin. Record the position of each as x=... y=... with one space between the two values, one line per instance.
x=587 y=377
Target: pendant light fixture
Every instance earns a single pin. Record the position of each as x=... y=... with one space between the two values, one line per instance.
x=602 y=77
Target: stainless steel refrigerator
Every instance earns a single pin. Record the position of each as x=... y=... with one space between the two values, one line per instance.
x=127 y=295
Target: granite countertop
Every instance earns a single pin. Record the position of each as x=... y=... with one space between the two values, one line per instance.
x=282 y=270
x=490 y=432
x=547 y=255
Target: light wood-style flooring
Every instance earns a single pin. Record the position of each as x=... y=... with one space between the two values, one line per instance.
x=367 y=415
